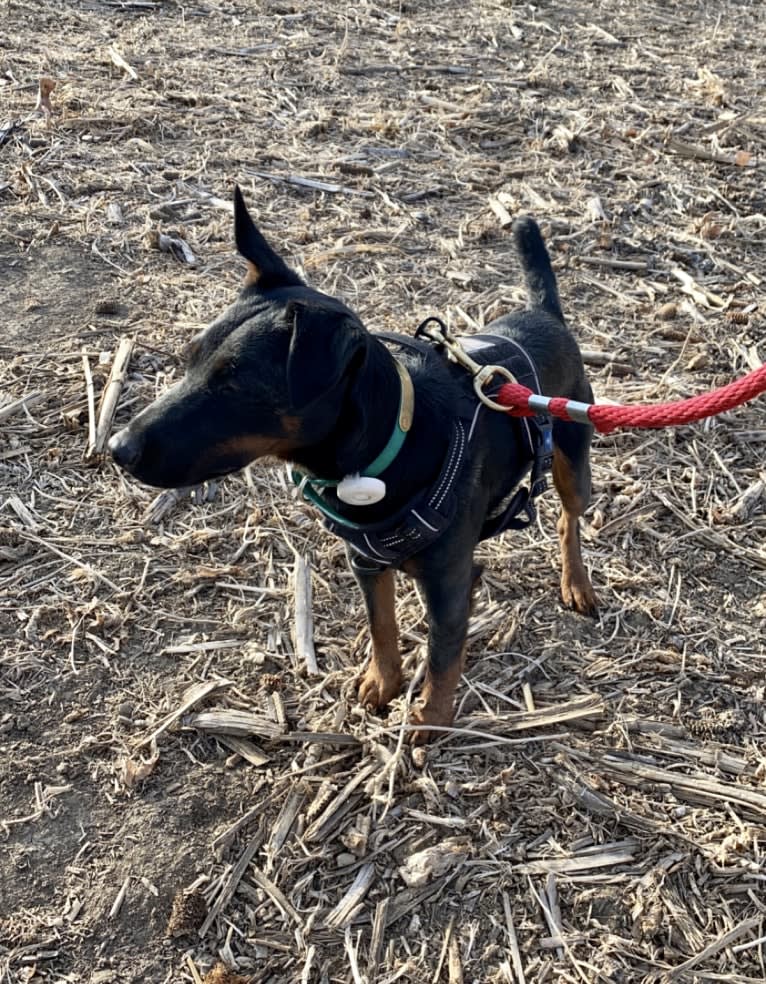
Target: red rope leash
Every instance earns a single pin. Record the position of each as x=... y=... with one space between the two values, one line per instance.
x=522 y=402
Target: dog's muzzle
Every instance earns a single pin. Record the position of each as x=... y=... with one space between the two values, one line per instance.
x=125 y=448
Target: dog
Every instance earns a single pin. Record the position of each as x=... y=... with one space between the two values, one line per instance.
x=291 y=373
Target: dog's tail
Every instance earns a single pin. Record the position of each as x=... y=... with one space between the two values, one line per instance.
x=538 y=273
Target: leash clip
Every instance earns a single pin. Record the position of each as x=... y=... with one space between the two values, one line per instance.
x=482 y=375
x=485 y=376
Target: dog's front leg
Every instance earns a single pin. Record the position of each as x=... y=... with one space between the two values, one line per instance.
x=383 y=677
x=447 y=593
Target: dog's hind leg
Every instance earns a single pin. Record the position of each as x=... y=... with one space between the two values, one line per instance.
x=571 y=476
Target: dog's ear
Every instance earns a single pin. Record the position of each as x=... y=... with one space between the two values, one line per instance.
x=265 y=268
x=325 y=348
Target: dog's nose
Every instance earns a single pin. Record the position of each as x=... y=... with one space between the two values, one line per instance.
x=125 y=448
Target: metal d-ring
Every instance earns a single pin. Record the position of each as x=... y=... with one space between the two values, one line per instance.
x=483 y=377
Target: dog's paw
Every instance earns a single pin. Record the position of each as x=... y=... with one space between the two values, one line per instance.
x=424 y=717
x=578 y=593
x=377 y=689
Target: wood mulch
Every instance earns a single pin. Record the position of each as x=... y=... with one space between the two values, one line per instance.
x=189 y=790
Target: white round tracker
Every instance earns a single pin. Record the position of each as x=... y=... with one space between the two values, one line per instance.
x=356 y=490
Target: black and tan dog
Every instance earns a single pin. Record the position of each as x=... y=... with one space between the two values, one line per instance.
x=292 y=373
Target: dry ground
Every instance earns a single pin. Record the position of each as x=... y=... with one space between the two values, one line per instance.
x=600 y=813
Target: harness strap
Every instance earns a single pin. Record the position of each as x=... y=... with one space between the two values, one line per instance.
x=377 y=546
x=519 y=511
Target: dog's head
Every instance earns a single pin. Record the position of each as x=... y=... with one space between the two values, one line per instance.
x=268 y=377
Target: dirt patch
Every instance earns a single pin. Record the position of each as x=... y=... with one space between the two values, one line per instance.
x=612 y=833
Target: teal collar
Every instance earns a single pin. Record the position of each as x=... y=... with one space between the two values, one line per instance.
x=310 y=486
x=401 y=427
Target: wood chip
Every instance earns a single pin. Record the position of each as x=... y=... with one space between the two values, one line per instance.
x=346 y=908
x=119 y=899
x=276 y=895
x=227 y=721
x=723 y=941
x=691 y=788
x=432 y=862
x=705 y=298
x=23 y=403
x=245 y=749
x=110 y=398
x=118 y=59
x=304 y=626
x=588 y=706
x=590 y=859
x=504 y=217
x=454 y=963
x=230 y=884
x=191 y=696
x=318 y=828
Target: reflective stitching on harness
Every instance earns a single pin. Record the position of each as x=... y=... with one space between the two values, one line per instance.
x=372 y=549
x=455 y=454
x=417 y=516
x=456 y=458
x=393 y=541
x=479 y=408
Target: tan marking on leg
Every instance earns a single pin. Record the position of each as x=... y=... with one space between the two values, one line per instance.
x=436 y=706
x=576 y=590
x=291 y=425
x=383 y=677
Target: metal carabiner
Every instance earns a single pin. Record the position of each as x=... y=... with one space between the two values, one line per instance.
x=482 y=374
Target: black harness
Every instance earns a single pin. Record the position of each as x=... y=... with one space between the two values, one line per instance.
x=388 y=543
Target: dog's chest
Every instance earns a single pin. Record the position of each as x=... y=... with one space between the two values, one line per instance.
x=422 y=520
